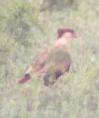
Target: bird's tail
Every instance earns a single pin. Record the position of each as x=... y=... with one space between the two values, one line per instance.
x=26 y=76
x=24 y=79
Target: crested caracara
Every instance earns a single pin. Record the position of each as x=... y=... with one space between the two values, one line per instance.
x=54 y=62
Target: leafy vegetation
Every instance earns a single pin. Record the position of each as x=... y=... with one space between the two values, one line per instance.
x=26 y=30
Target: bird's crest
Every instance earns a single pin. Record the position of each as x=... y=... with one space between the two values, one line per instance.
x=62 y=31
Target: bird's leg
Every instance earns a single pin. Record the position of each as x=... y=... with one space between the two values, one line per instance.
x=58 y=74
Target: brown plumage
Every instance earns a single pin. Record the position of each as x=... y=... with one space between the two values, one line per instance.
x=59 y=62
x=54 y=62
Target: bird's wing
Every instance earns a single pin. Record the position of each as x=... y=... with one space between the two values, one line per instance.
x=59 y=63
x=39 y=64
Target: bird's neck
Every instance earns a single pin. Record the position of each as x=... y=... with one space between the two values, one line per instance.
x=61 y=43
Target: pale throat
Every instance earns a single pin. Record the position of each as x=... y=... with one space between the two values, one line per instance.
x=62 y=42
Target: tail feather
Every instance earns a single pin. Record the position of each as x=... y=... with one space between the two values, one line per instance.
x=25 y=78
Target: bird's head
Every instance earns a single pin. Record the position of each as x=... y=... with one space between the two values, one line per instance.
x=65 y=33
x=64 y=36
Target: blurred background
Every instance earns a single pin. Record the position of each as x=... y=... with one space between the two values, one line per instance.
x=26 y=28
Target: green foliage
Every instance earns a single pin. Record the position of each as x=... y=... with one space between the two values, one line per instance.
x=18 y=18
x=24 y=32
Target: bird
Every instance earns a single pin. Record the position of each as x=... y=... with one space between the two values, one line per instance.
x=54 y=62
